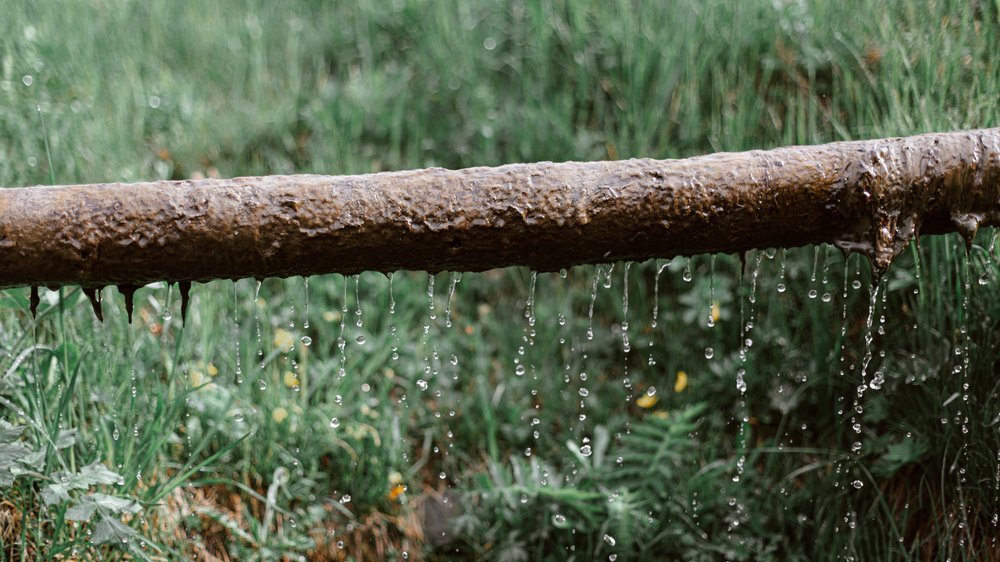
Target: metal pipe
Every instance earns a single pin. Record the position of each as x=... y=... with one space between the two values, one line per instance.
x=868 y=196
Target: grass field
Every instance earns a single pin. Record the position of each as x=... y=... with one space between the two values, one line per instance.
x=475 y=416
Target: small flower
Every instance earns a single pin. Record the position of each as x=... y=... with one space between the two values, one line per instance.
x=212 y=370
x=682 y=381
x=396 y=491
x=279 y=414
x=283 y=340
x=716 y=311
x=291 y=379
x=646 y=401
x=197 y=378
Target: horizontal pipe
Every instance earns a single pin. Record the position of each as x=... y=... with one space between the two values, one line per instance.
x=869 y=196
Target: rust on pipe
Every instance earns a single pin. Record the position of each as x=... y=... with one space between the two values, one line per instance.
x=868 y=196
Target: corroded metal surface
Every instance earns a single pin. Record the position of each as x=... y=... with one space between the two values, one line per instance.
x=868 y=196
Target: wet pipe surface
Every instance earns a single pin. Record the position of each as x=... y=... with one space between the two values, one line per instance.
x=870 y=196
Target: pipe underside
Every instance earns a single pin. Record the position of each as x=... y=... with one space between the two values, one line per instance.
x=868 y=196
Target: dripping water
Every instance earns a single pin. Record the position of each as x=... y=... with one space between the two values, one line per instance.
x=456 y=278
x=393 y=333
x=660 y=266
x=236 y=332
x=747 y=315
x=593 y=299
x=256 y=321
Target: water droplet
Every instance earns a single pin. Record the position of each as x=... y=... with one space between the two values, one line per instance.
x=306 y=341
x=651 y=391
x=454 y=359
x=781 y=287
x=584 y=392
x=709 y=353
x=442 y=475
x=519 y=370
x=559 y=520
x=262 y=384
x=361 y=340
x=422 y=384
x=812 y=293
x=856 y=284
x=858 y=484
x=586 y=450
x=27 y=80
x=335 y=423
x=609 y=540
x=346 y=498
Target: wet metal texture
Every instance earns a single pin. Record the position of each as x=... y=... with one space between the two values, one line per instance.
x=868 y=196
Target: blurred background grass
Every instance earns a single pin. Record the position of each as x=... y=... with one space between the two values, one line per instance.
x=401 y=429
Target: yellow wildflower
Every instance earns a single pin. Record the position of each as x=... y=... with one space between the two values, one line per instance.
x=197 y=378
x=212 y=370
x=682 y=381
x=283 y=340
x=279 y=414
x=647 y=401
x=716 y=311
x=396 y=491
x=291 y=380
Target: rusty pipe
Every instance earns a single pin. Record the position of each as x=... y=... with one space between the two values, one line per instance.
x=868 y=196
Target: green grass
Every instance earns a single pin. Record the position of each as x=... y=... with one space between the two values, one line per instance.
x=259 y=469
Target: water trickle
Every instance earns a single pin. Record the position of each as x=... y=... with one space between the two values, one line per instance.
x=984 y=278
x=593 y=299
x=626 y=347
x=167 y=314
x=687 y=275
x=747 y=315
x=394 y=346
x=430 y=299
x=305 y=302
x=869 y=337
x=660 y=266
x=456 y=278
x=236 y=333
x=607 y=276
x=256 y=322
x=341 y=336
x=812 y=279
x=359 y=320
x=781 y=275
